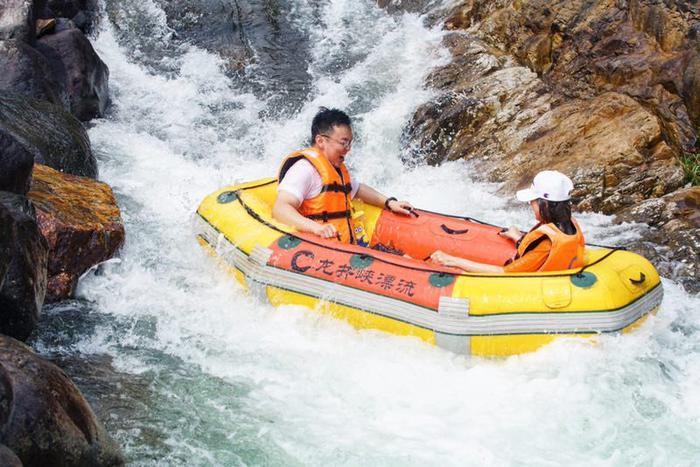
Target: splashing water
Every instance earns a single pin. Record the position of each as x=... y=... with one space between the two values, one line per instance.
x=184 y=368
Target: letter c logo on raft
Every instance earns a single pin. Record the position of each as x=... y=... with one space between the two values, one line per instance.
x=296 y=256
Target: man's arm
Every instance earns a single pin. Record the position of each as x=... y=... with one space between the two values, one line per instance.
x=286 y=210
x=371 y=196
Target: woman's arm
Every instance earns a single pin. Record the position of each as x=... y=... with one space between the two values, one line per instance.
x=465 y=264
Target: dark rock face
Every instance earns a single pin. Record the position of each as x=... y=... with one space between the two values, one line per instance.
x=26 y=255
x=82 y=14
x=26 y=71
x=17 y=20
x=80 y=220
x=54 y=137
x=70 y=8
x=244 y=32
x=71 y=55
x=44 y=418
x=15 y=165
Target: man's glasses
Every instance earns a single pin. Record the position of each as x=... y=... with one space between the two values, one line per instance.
x=346 y=144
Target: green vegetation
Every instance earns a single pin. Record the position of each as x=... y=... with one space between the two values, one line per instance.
x=691 y=167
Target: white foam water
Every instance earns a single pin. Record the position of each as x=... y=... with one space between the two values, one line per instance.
x=228 y=380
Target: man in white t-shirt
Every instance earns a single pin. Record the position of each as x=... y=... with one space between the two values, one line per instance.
x=315 y=187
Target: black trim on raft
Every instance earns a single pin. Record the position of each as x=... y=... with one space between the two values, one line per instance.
x=583 y=333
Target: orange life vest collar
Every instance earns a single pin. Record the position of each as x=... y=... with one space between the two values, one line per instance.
x=333 y=205
x=567 y=250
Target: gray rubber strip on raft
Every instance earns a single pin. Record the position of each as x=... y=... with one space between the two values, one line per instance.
x=450 y=322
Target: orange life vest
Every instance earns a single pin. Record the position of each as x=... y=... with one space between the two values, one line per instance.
x=567 y=250
x=333 y=205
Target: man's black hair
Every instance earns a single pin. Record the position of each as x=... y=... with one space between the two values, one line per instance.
x=558 y=213
x=325 y=120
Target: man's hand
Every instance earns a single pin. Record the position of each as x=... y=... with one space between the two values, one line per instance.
x=400 y=207
x=325 y=231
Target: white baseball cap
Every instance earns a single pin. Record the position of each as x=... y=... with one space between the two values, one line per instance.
x=548 y=184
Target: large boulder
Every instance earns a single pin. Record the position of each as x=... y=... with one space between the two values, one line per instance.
x=44 y=419
x=15 y=165
x=24 y=256
x=53 y=136
x=17 y=20
x=81 y=221
x=71 y=56
x=582 y=48
x=26 y=71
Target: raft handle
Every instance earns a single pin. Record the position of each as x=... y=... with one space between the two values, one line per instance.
x=639 y=281
x=452 y=231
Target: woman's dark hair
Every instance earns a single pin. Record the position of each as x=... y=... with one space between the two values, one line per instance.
x=325 y=120
x=557 y=213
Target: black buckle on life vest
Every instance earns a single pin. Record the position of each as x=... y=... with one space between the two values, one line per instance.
x=325 y=216
x=337 y=188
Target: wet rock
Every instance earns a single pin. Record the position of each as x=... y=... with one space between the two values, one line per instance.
x=15 y=165
x=610 y=146
x=84 y=14
x=26 y=71
x=247 y=32
x=511 y=123
x=81 y=221
x=683 y=205
x=676 y=221
x=53 y=136
x=645 y=49
x=44 y=419
x=17 y=20
x=71 y=8
x=8 y=458
x=25 y=254
x=410 y=6
x=63 y=24
x=70 y=55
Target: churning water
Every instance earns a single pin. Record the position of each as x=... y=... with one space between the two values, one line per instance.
x=185 y=369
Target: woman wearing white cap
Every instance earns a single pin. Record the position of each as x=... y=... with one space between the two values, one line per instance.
x=555 y=243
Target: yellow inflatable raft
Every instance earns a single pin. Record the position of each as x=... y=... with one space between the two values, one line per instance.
x=374 y=287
